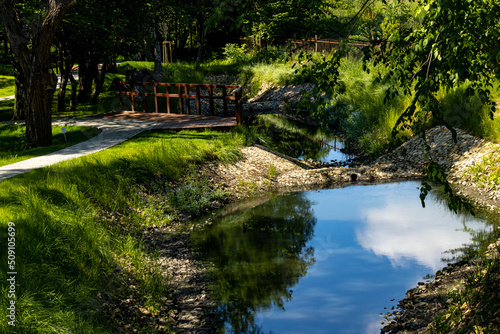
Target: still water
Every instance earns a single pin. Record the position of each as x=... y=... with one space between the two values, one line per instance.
x=327 y=261
x=330 y=152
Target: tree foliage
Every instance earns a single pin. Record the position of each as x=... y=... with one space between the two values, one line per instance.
x=30 y=27
x=447 y=43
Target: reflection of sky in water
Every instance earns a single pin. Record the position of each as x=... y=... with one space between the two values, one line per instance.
x=331 y=154
x=372 y=243
x=335 y=154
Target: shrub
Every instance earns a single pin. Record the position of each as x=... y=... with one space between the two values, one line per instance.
x=234 y=53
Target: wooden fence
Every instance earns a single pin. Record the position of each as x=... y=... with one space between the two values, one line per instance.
x=138 y=92
x=294 y=45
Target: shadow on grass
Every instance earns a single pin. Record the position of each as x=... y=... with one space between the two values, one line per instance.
x=79 y=234
x=12 y=146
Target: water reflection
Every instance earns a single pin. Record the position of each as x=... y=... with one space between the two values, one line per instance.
x=328 y=261
x=258 y=255
x=331 y=151
x=297 y=140
x=405 y=232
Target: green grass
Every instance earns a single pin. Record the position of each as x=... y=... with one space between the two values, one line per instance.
x=470 y=113
x=79 y=231
x=12 y=141
x=7 y=85
x=255 y=75
x=108 y=102
x=7 y=69
x=364 y=116
x=360 y=113
x=486 y=173
x=6 y=110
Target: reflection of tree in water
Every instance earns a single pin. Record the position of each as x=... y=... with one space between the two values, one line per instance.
x=480 y=238
x=259 y=254
x=289 y=138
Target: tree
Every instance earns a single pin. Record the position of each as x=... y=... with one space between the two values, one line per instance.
x=94 y=33
x=449 y=43
x=30 y=30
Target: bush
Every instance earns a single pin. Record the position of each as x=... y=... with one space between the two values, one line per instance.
x=233 y=52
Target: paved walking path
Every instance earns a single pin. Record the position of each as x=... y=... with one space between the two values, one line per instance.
x=12 y=97
x=116 y=128
x=114 y=131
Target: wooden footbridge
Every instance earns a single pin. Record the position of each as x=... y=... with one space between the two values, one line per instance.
x=213 y=104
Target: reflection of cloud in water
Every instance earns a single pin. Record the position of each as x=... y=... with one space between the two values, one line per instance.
x=373 y=325
x=404 y=232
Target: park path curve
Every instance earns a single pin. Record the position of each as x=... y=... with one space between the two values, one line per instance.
x=114 y=131
x=5 y=98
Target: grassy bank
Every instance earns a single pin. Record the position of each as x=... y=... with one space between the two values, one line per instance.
x=7 y=85
x=474 y=307
x=12 y=147
x=78 y=231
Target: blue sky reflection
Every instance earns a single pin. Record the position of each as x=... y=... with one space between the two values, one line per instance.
x=371 y=244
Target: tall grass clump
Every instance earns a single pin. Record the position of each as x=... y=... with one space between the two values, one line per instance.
x=256 y=75
x=79 y=224
x=470 y=113
x=360 y=113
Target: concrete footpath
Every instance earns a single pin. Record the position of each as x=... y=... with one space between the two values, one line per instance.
x=114 y=131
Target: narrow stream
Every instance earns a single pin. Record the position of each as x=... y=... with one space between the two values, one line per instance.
x=328 y=261
x=329 y=152
x=300 y=141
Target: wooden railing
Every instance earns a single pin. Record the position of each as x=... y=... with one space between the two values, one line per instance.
x=294 y=45
x=138 y=92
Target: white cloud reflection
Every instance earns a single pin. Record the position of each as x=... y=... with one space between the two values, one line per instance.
x=402 y=231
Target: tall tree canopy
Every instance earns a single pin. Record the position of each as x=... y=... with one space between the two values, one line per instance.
x=30 y=28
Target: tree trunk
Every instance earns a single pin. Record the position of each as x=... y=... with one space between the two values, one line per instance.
x=99 y=82
x=202 y=42
x=31 y=49
x=61 y=96
x=6 y=47
x=156 y=39
x=65 y=67
x=87 y=72
x=39 y=95
x=19 y=105
x=74 y=90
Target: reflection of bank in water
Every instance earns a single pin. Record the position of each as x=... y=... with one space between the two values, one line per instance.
x=333 y=151
x=327 y=261
x=298 y=140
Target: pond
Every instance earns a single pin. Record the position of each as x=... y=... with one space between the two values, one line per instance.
x=327 y=261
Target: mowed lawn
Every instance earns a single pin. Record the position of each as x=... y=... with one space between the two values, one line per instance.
x=7 y=85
